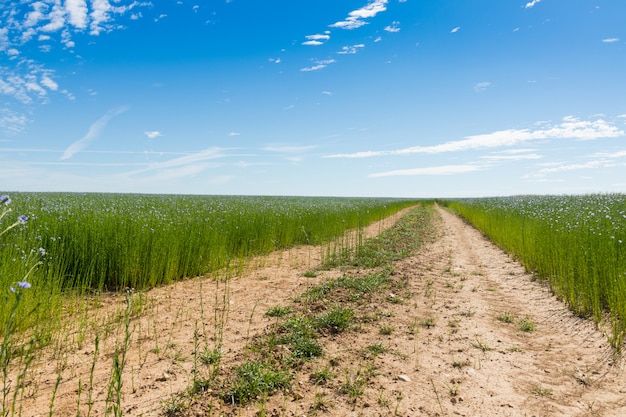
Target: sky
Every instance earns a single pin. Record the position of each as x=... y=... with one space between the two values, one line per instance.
x=364 y=98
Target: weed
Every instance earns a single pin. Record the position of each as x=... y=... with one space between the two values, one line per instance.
x=336 y=320
x=382 y=400
x=114 y=395
x=394 y=299
x=453 y=388
x=174 y=405
x=353 y=384
x=454 y=325
x=583 y=377
x=211 y=356
x=478 y=344
x=321 y=375
x=278 y=311
x=386 y=330
x=428 y=323
x=310 y=274
x=305 y=348
x=376 y=349
x=526 y=325
x=506 y=317
x=320 y=403
x=254 y=380
x=432 y=383
x=540 y=391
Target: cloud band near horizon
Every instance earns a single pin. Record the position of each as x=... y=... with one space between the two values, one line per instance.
x=569 y=128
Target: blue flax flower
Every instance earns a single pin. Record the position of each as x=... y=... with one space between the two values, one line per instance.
x=5 y=199
x=22 y=219
x=22 y=285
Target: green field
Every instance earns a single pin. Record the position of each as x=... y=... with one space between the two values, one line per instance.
x=94 y=242
x=576 y=243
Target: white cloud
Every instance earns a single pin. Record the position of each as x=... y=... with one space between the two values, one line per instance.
x=56 y=19
x=317 y=39
x=24 y=21
x=610 y=40
x=275 y=60
x=439 y=170
x=36 y=15
x=49 y=83
x=351 y=50
x=393 y=27
x=482 y=86
x=152 y=134
x=456 y=29
x=12 y=122
x=531 y=4
x=233 y=134
x=612 y=155
x=92 y=134
x=570 y=128
x=354 y=19
x=27 y=85
x=99 y=15
x=319 y=64
x=574 y=167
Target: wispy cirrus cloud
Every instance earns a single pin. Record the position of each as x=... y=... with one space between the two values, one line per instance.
x=355 y=17
x=511 y=157
x=482 y=86
x=92 y=134
x=611 y=155
x=318 y=65
x=595 y=164
x=456 y=29
x=610 y=40
x=437 y=170
x=183 y=166
x=569 y=128
x=288 y=148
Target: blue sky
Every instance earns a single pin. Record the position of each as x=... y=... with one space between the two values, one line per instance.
x=399 y=98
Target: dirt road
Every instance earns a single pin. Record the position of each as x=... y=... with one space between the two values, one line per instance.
x=479 y=364
x=476 y=337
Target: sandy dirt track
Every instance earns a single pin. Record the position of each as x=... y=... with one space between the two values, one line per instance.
x=465 y=362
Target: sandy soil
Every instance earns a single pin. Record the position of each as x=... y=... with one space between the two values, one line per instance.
x=448 y=353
